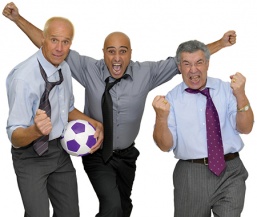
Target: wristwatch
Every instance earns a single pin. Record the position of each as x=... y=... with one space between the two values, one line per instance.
x=244 y=109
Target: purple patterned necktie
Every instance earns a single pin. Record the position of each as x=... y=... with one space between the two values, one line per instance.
x=216 y=162
x=41 y=144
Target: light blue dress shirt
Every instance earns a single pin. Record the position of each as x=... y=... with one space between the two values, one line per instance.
x=25 y=86
x=186 y=120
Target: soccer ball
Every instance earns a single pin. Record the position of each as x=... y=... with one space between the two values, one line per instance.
x=78 y=138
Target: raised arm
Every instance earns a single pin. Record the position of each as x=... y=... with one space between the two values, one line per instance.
x=245 y=116
x=35 y=35
x=228 y=39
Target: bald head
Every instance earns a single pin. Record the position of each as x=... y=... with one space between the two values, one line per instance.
x=59 y=22
x=115 y=37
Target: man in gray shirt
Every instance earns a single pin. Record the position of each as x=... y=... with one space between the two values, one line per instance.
x=113 y=180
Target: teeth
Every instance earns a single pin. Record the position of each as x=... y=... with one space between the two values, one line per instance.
x=194 y=77
x=116 y=67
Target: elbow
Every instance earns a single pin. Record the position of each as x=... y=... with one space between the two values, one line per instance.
x=164 y=149
x=245 y=130
x=162 y=145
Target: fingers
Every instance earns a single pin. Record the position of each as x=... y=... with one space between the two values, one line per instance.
x=229 y=38
x=237 y=78
x=42 y=122
x=160 y=101
x=96 y=146
x=232 y=39
x=99 y=135
x=11 y=11
x=238 y=83
x=39 y=111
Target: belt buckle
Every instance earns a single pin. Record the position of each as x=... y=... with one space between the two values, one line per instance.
x=205 y=161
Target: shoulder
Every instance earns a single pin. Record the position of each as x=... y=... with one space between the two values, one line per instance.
x=175 y=92
x=76 y=56
x=217 y=84
x=25 y=70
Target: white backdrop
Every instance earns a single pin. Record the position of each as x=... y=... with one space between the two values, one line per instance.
x=156 y=28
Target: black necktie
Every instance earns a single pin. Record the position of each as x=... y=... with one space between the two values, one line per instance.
x=41 y=144
x=216 y=162
x=107 y=110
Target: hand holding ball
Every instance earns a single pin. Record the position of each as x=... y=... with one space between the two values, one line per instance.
x=78 y=138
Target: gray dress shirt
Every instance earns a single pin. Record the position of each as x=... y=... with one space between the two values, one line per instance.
x=129 y=95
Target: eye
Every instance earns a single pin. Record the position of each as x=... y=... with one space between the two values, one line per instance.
x=66 y=42
x=111 y=51
x=186 y=64
x=200 y=63
x=123 y=51
x=54 y=40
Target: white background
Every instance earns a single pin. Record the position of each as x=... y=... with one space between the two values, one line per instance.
x=156 y=28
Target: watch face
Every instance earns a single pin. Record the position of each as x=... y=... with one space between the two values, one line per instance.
x=246 y=108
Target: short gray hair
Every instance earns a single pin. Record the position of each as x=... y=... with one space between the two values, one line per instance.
x=191 y=47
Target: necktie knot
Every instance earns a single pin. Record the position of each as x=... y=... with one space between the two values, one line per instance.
x=109 y=85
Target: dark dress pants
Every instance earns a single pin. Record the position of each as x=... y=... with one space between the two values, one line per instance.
x=50 y=176
x=198 y=192
x=113 y=181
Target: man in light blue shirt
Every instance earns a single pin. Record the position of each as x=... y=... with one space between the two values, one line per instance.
x=50 y=176
x=181 y=127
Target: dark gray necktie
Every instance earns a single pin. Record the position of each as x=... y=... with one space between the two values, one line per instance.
x=107 y=110
x=41 y=144
x=216 y=162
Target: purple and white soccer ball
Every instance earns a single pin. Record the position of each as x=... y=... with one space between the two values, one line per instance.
x=78 y=138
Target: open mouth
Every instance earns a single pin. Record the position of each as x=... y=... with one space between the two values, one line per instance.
x=116 y=67
x=195 y=78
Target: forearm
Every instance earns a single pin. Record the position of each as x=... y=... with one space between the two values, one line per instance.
x=33 y=33
x=75 y=114
x=215 y=46
x=244 y=119
x=162 y=135
x=24 y=136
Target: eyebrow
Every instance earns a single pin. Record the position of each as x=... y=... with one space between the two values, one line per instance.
x=119 y=47
x=189 y=62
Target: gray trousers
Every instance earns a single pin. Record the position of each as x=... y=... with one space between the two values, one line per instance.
x=49 y=177
x=197 y=191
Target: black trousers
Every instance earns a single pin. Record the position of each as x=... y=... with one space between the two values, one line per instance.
x=113 y=181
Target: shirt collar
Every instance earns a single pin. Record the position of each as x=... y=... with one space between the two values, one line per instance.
x=49 y=68
x=211 y=84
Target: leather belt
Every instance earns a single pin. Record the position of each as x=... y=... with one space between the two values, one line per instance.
x=122 y=151
x=204 y=161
